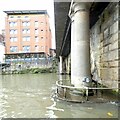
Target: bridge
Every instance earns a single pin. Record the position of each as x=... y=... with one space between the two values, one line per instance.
x=65 y=45
x=63 y=24
x=83 y=30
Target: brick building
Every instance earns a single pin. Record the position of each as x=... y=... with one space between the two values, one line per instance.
x=27 y=33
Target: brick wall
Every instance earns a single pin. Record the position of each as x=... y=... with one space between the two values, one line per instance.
x=105 y=44
x=43 y=35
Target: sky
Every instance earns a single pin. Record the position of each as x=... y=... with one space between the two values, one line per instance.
x=28 y=5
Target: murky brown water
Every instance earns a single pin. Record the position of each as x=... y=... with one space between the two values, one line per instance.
x=30 y=96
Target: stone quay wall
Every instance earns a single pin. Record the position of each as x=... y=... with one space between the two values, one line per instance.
x=105 y=47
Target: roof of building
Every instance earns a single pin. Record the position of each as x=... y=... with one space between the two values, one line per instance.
x=16 y=12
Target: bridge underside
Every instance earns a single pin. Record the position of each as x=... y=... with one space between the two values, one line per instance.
x=61 y=15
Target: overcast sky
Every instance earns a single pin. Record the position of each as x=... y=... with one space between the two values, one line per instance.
x=27 y=5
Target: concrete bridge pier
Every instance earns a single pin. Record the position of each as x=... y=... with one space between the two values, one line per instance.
x=80 y=45
x=68 y=65
x=64 y=65
x=61 y=65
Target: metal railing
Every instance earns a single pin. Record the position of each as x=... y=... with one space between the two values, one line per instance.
x=60 y=84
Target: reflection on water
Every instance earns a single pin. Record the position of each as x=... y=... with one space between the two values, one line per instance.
x=29 y=96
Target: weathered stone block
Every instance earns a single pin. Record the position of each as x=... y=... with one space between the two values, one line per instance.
x=104 y=73
x=113 y=55
x=110 y=83
x=113 y=64
x=104 y=65
x=109 y=73
x=101 y=44
x=114 y=73
x=116 y=14
x=101 y=51
x=114 y=38
x=114 y=28
x=106 y=33
x=101 y=65
x=113 y=46
x=101 y=59
x=105 y=57
x=106 y=49
x=106 y=42
x=101 y=36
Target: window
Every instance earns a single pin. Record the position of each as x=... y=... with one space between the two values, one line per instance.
x=26 y=48
x=19 y=16
x=12 y=31
x=13 y=39
x=36 y=31
x=36 y=38
x=26 y=31
x=26 y=38
x=36 y=23
x=42 y=38
x=13 y=48
x=26 y=16
x=36 y=47
x=11 y=16
x=42 y=47
x=12 y=24
x=26 y=23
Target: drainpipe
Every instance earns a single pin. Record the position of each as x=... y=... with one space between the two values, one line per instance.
x=80 y=45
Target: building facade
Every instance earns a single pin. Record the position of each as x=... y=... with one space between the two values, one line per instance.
x=27 y=32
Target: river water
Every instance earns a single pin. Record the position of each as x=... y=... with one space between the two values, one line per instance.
x=31 y=96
